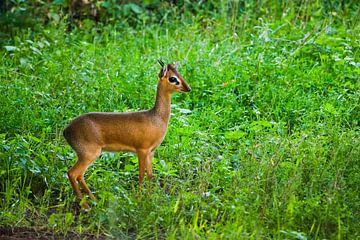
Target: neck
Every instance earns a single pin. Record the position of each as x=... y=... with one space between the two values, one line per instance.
x=162 y=106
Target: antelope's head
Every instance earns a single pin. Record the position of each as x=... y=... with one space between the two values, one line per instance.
x=170 y=78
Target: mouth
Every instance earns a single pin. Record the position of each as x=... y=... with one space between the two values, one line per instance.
x=185 y=89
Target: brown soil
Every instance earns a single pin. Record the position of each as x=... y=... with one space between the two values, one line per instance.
x=34 y=233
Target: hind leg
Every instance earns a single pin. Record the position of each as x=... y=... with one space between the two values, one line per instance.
x=86 y=188
x=76 y=172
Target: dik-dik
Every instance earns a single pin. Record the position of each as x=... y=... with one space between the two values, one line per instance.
x=139 y=132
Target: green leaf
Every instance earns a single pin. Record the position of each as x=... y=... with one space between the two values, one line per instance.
x=183 y=110
x=69 y=218
x=105 y=4
x=35 y=50
x=330 y=108
x=52 y=221
x=58 y=2
x=235 y=134
x=23 y=61
x=135 y=8
x=11 y=48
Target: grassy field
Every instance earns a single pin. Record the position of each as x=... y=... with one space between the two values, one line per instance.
x=266 y=146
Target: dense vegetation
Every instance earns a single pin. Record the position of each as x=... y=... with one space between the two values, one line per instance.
x=267 y=145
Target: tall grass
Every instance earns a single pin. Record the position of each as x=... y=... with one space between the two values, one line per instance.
x=265 y=146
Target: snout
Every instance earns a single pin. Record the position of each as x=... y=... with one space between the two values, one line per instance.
x=186 y=88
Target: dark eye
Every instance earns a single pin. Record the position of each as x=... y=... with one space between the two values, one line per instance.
x=174 y=80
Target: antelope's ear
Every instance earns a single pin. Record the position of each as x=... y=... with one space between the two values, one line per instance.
x=163 y=71
x=176 y=65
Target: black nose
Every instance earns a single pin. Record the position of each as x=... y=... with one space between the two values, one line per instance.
x=187 y=89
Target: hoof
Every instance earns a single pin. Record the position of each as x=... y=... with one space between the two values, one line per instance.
x=86 y=207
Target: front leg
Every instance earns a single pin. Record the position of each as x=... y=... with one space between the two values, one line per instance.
x=148 y=165
x=142 y=157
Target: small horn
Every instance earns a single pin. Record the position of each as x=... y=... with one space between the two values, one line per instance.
x=161 y=62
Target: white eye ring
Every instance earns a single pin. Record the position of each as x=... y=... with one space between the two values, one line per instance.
x=174 y=80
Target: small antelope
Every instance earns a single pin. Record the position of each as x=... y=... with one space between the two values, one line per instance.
x=139 y=132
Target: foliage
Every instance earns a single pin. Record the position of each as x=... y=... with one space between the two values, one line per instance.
x=17 y=14
x=266 y=145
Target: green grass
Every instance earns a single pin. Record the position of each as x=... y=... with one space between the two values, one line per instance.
x=266 y=146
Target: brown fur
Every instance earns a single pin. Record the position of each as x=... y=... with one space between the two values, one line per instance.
x=139 y=132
